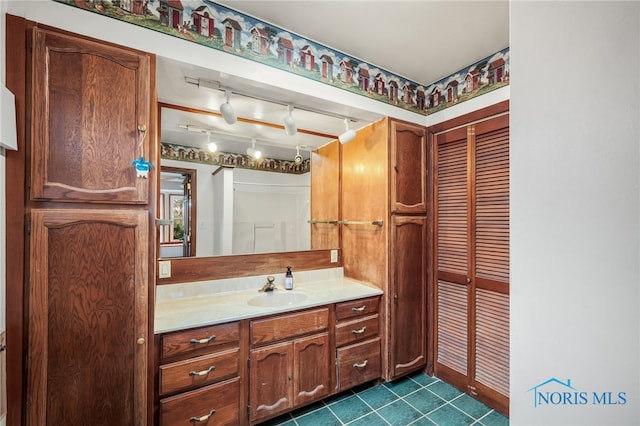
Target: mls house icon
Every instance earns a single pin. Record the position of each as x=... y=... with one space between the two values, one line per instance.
x=556 y=392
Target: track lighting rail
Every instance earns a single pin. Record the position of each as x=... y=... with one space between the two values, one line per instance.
x=214 y=85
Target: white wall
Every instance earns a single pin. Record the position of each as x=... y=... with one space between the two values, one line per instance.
x=575 y=210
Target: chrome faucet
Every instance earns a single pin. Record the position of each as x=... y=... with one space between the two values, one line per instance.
x=269 y=286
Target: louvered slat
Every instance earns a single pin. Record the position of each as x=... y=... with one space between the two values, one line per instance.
x=492 y=205
x=452 y=207
x=452 y=326
x=492 y=340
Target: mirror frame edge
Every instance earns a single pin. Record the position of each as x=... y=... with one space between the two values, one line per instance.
x=192 y=269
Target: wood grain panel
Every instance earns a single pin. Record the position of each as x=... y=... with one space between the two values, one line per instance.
x=288 y=326
x=89 y=277
x=325 y=196
x=409 y=294
x=219 y=402
x=365 y=177
x=358 y=363
x=89 y=101
x=199 y=371
x=198 y=341
x=357 y=330
x=357 y=308
x=191 y=269
x=311 y=368
x=408 y=168
x=271 y=373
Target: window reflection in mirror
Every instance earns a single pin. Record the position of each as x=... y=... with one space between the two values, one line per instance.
x=178 y=211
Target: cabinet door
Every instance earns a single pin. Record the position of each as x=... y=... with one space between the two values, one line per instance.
x=311 y=368
x=409 y=294
x=408 y=167
x=471 y=259
x=270 y=379
x=88 y=319
x=89 y=120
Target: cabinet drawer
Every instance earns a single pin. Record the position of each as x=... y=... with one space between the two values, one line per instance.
x=288 y=326
x=199 y=371
x=200 y=340
x=358 y=363
x=220 y=402
x=357 y=330
x=357 y=308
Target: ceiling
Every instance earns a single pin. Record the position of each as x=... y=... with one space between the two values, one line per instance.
x=423 y=41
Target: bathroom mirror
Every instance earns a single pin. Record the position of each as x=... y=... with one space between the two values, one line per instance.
x=190 y=94
x=241 y=205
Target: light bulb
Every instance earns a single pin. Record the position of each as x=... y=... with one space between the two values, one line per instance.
x=255 y=153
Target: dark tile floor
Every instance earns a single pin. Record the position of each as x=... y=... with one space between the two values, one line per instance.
x=415 y=400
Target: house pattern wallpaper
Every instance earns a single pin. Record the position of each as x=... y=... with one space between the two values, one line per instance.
x=218 y=27
x=198 y=155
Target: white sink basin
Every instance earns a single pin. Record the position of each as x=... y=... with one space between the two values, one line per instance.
x=277 y=298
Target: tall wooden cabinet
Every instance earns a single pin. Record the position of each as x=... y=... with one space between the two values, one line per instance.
x=471 y=256
x=90 y=242
x=384 y=240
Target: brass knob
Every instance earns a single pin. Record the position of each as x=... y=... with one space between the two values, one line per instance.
x=140 y=341
x=468 y=280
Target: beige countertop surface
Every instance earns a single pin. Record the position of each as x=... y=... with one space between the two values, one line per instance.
x=196 y=304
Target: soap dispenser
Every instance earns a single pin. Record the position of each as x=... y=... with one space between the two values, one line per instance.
x=288 y=279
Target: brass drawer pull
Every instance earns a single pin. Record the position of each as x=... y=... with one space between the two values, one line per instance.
x=203 y=372
x=203 y=341
x=203 y=418
x=362 y=364
x=360 y=309
x=362 y=330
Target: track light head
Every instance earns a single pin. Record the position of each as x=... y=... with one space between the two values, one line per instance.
x=226 y=109
x=253 y=152
x=348 y=135
x=297 y=160
x=290 y=123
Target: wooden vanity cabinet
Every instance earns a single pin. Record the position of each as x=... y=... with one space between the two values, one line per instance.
x=357 y=342
x=199 y=376
x=387 y=164
x=288 y=362
x=88 y=117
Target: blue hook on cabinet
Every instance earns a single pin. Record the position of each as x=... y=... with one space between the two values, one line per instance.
x=142 y=167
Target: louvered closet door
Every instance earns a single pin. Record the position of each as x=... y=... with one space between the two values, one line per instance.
x=472 y=259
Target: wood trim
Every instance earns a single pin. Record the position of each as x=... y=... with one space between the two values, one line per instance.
x=190 y=269
x=463 y=120
x=243 y=119
x=15 y=185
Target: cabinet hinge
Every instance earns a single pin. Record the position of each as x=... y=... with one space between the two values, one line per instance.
x=27 y=225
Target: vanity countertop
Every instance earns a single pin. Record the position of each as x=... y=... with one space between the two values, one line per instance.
x=187 y=311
